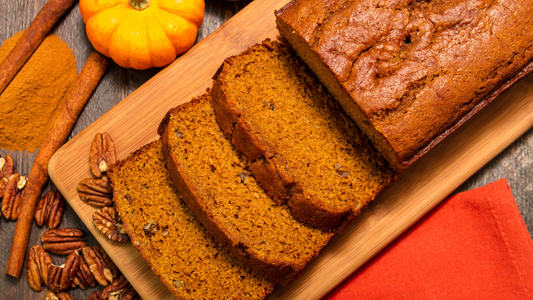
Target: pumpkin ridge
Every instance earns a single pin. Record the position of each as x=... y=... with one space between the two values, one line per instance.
x=148 y=44
x=92 y=35
x=182 y=15
x=124 y=48
x=160 y=22
x=154 y=21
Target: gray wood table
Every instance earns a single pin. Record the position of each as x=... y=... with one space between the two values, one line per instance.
x=515 y=163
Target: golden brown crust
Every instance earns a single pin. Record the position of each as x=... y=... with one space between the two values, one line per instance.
x=416 y=71
x=279 y=184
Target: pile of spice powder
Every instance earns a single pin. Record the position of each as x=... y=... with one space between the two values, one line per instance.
x=28 y=103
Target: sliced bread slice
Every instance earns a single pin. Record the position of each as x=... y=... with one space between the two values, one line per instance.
x=187 y=259
x=213 y=179
x=304 y=149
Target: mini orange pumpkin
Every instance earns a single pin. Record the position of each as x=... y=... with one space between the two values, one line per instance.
x=141 y=34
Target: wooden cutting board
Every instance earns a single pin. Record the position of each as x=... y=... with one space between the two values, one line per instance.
x=133 y=123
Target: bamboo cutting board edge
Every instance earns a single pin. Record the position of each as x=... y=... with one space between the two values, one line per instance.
x=347 y=251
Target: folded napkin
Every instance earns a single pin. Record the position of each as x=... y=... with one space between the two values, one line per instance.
x=474 y=245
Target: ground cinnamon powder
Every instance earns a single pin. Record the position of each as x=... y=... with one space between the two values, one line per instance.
x=28 y=103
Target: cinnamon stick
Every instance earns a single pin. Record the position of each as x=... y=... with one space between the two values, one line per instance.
x=74 y=102
x=31 y=39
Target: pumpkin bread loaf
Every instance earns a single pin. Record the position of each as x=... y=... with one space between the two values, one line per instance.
x=213 y=178
x=411 y=72
x=187 y=259
x=304 y=149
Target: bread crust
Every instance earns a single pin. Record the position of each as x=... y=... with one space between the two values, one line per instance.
x=269 y=167
x=112 y=177
x=279 y=270
x=113 y=173
x=416 y=71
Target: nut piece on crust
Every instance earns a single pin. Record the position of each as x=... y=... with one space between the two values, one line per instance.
x=108 y=222
x=102 y=154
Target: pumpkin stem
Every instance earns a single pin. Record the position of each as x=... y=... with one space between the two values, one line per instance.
x=139 y=4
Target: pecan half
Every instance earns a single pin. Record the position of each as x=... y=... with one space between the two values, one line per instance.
x=3 y=184
x=120 y=289
x=108 y=263
x=97 y=192
x=13 y=196
x=60 y=296
x=84 y=277
x=108 y=222
x=50 y=209
x=63 y=241
x=37 y=267
x=96 y=295
x=61 y=277
x=101 y=266
x=102 y=154
x=6 y=170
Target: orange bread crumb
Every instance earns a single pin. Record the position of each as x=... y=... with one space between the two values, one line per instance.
x=304 y=147
x=213 y=178
x=187 y=259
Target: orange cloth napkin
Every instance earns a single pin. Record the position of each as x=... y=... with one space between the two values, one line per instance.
x=474 y=245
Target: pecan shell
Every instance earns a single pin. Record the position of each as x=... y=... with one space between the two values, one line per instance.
x=50 y=209
x=102 y=154
x=121 y=289
x=63 y=241
x=61 y=277
x=6 y=170
x=108 y=222
x=13 y=196
x=97 y=192
x=37 y=267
